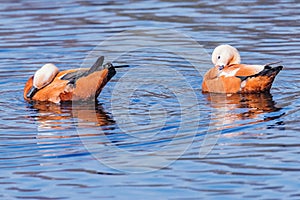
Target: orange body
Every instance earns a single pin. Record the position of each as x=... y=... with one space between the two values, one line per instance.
x=85 y=88
x=239 y=78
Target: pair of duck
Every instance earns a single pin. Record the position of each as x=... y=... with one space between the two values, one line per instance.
x=227 y=76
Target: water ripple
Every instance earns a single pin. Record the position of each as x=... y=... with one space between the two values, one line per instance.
x=43 y=153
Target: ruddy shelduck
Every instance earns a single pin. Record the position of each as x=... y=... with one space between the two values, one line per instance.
x=48 y=84
x=229 y=76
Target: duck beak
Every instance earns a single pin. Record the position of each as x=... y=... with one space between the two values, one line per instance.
x=31 y=92
x=221 y=67
x=121 y=66
x=111 y=69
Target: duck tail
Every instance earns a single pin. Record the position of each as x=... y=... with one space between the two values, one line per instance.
x=269 y=71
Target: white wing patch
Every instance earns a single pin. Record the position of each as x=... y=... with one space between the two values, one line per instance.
x=228 y=74
x=258 y=68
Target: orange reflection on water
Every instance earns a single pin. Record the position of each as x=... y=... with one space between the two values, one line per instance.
x=234 y=110
x=68 y=115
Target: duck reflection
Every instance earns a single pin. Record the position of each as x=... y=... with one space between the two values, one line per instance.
x=68 y=115
x=240 y=109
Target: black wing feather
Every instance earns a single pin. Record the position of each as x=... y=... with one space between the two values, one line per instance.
x=72 y=77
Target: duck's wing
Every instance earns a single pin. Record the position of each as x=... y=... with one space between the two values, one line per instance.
x=241 y=70
x=73 y=76
x=257 y=70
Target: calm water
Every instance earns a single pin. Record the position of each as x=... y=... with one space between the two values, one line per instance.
x=152 y=134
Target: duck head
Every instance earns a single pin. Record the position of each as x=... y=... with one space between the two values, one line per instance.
x=224 y=55
x=42 y=77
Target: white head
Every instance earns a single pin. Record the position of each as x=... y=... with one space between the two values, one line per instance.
x=44 y=75
x=41 y=78
x=225 y=55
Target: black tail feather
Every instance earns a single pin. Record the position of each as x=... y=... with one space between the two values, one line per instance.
x=268 y=70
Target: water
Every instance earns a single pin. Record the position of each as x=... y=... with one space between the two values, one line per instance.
x=152 y=134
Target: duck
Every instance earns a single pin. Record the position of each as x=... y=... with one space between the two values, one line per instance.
x=230 y=76
x=48 y=84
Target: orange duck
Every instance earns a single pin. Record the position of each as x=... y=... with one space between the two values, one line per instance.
x=229 y=76
x=48 y=84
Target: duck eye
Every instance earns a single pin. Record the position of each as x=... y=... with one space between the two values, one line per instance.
x=219 y=57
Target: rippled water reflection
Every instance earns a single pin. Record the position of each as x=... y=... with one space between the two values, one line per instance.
x=211 y=146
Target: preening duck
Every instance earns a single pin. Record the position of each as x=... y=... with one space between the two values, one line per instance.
x=229 y=76
x=48 y=84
